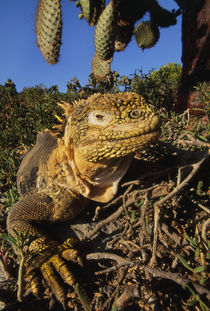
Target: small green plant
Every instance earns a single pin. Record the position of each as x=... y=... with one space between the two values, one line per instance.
x=199 y=190
x=198 y=269
x=82 y=297
x=19 y=241
x=195 y=299
x=204 y=91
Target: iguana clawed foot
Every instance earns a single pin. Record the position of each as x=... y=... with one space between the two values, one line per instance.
x=47 y=259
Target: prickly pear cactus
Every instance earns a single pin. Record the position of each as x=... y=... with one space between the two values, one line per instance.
x=91 y=10
x=86 y=9
x=100 y=68
x=104 y=33
x=131 y=11
x=49 y=29
x=146 y=34
x=114 y=27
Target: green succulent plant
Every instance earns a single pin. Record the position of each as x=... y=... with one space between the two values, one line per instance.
x=49 y=29
x=91 y=10
x=114 y=27
x=104 y=33
x=146 y=34
x=100 y=68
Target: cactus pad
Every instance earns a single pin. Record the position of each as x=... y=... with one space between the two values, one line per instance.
x=131 y=11
x=49 y=29
x=101 y=68
x=104 y=33
x=91 y=10
x=146 y=34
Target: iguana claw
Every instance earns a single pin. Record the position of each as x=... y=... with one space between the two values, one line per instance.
x=50 y=259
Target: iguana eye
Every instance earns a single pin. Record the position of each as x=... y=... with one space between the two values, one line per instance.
x=135 y=114
x=99 y=118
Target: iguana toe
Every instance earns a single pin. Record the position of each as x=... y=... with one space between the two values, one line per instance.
x=69 y=252
x=36 y=284
x=53 y=281
x=53 y=267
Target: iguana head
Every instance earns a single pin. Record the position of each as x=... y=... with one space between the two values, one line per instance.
x=101 y=135
x=107 y=126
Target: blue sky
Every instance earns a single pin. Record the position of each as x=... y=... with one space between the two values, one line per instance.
x=21 y=60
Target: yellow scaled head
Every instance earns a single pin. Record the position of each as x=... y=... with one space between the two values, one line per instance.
x=107 y=126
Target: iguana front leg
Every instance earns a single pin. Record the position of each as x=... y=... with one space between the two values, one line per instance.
x=45 y=256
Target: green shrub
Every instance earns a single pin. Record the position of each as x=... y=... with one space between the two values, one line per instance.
x=22 y=116
x=159 y=87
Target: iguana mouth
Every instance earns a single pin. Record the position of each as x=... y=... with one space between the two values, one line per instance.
x=119 y=134
x=117 y=148
x=119 y=142
x=130 y=137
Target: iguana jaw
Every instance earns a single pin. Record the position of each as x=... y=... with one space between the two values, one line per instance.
x=119 y=141
x=99 y=181
x=101 y=163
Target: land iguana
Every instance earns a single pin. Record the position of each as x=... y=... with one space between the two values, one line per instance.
x=60 y=175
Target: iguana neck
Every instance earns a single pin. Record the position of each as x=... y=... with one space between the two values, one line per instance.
x=96 y=181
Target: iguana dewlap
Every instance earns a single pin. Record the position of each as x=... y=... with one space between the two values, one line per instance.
x=59 y=176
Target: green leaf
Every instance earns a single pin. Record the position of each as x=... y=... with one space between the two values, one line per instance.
x=197 y=109
x=184 y=262
x=114 y=307
x=199 y=269
x=17 y=234
x=26 y=235
x=82 y=297
x=193 y=242
x=203 y=306
x=197 y=252
x=186 y=286
x=8 y=238
x=203 y=138
x=191 y=303
x=202 y=281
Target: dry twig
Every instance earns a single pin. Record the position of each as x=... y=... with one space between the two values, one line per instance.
x=156 y=273
x=177 y=189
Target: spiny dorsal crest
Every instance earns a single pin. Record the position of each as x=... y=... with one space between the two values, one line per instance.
x=68 y=108
x=67 y=111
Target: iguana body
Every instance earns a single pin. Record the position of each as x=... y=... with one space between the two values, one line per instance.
x=59 y=176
